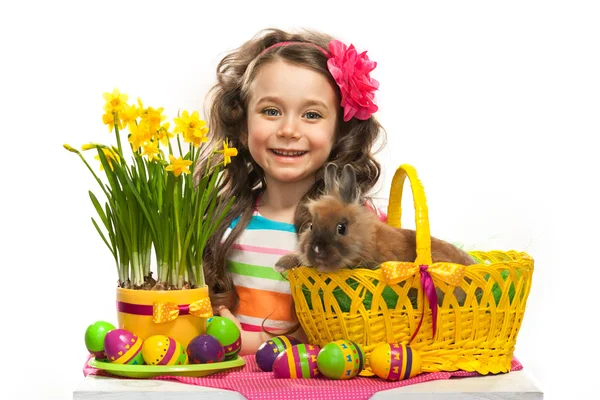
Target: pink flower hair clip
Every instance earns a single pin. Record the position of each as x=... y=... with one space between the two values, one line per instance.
x=351 y=72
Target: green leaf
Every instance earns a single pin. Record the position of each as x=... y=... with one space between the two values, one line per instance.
x=109 y=226
x=199 y=200
x=104 y=239
x=117 y=197
x=220 y=218
x=127 y=180
x=98 y=208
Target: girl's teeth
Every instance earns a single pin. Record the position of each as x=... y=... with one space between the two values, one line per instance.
x=289 y=153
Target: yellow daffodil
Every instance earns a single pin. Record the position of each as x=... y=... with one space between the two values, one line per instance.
x=153 y=117
x=141 y=108
x=227 y=152
x=138 y=135
x=151 y=150
x=115 y=101
x=128 y=115
x=110 y=156
x=196 y=141
x=178 y=165
x=194 y=129
x=109 y=119
x=164 y=135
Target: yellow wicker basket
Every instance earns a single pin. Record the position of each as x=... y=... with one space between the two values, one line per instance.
x=389 y=305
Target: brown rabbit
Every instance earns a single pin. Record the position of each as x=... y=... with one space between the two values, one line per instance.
x=345 y=234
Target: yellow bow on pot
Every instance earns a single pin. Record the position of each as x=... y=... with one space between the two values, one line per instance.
x=167 y=311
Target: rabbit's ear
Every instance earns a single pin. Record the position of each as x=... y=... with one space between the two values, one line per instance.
x=348 y=187
x=330 y=177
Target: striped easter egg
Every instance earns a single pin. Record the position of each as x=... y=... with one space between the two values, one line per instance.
x=340 y=360
x=269 y=350
x=395 y=361
x=298 y=361
x=163 y=350
x=123 y=347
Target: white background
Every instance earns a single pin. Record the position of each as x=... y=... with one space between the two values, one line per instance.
x=495 y=104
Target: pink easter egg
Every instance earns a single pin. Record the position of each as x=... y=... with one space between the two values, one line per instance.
x=269 y=350
x=298 y=361
x=123 y=347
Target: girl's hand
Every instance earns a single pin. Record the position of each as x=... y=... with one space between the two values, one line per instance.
x=224 y=312
x=251 y=341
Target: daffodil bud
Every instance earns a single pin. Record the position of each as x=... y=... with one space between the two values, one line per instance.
x=71 y=149
x=90 y=146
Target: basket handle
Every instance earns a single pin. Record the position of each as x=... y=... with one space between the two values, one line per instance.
x=423 y=235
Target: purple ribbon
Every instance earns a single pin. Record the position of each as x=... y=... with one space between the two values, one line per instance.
x=429 y=291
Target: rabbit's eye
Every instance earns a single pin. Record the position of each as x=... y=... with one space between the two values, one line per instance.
x=310 y=226
x=341 y=228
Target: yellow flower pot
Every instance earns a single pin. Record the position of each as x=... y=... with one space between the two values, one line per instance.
x=180 y=314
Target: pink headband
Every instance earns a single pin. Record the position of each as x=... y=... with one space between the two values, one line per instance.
x=350 y=71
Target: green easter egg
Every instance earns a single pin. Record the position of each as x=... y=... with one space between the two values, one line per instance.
x=226 y=332
x=339 y=360
x=94 y=336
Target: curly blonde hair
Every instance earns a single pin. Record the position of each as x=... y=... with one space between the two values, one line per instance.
x=244 y=178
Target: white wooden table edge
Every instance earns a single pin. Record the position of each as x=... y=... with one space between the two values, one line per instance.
x=516 y=385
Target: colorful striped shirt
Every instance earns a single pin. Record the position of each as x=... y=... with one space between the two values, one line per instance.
x=264 y=295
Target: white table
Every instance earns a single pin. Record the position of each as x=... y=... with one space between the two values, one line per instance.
x=516 y=385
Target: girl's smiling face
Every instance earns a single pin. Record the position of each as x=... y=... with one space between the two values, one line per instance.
x=292 y=115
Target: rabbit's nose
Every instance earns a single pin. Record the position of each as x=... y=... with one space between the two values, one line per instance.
x=316 y=249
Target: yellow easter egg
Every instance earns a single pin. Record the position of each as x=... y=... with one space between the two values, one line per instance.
x=163 y=350
x=395 y=361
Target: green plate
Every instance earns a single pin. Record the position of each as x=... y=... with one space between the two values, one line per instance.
x=150 y=371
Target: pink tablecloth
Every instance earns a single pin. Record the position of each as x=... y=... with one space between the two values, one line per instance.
x=253 y=383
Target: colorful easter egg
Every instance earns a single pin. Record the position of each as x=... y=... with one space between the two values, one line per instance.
x=94 y=338
x=123 y=347
x=298 y=361
x=205 y=349
x=269 y=350
x=340 y=360
x=395 y=361
x=227 y=333
x=163 y=350
x=361 y=356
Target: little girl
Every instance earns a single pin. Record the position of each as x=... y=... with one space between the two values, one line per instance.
x=290 y=103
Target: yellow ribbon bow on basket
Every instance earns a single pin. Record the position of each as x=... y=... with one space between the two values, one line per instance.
x=396 y=271
x=167 y=311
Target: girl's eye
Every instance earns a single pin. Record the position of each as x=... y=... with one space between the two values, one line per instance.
x=271 y=112
x=312 y=115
